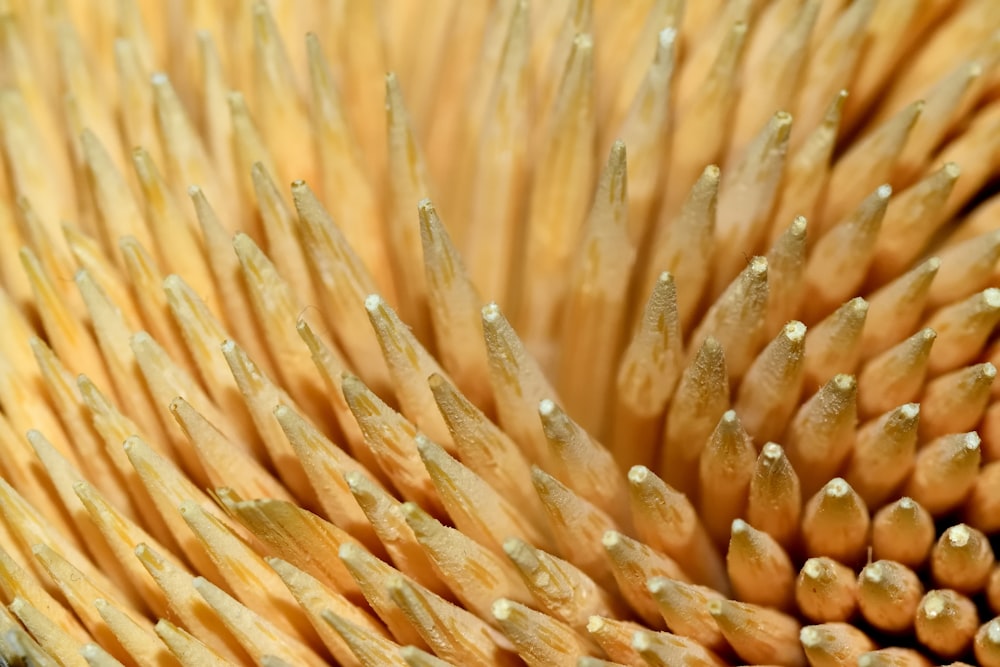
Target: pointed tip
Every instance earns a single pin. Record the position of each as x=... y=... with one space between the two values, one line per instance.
x=491 y=313
x=795 y=331
x=758 y=267
x=502 y=609
x=639 y=474
x=836 y=488
x=667 y=37
x=426 y=207
x=373 y=302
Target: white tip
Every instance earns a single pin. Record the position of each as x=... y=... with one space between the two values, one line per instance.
x=910 y=410
x=795 y=331
x=410 y=510
x=373 y=302
x=353 y=479
x=424 y=445
x=546 y=407
x=715 y=607
x=958 y=536
x=638 y=474
x=513 y=546
x=933 y=605
x=813 y=568
x=347 y=551
x=836 y=488
x=141 y=338
x=173 y=282
x=395 y=583
x=501 y=609
x=491 y=312
x=657 y=584
x=991 y=297
x=772 y=450
x=884 y=191
x=91 y=651
x=993 y=631
x=641 y=641
x=810 y=636
x=844 y=382
x=873 y=572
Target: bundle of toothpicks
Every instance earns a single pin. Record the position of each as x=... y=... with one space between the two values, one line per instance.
x=386 y=333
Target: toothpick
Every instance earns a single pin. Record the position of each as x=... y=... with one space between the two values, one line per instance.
x=371 y=575
x=452 y=632
x=497 y=183
x=746 y=196
x=278 y=100
x=136 y=636
x=177 y=585
x=256 y=634
x=278 y=309
x=52 y=638
x=343 y=282
x=648 y=373
x=911 y=220
x=538 y=638
x=595 y=299
x=883 y=453
x=347 y=188
x=315 y=598
x=370 y=649
x=847 y=250
x=186 y=647
x=386 y=517
x=475 y=576
x=408 y=183
x=476 y=509
x=556 y=212
x=895 y=310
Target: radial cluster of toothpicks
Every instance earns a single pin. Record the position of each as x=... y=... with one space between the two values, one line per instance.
x=387 y=333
